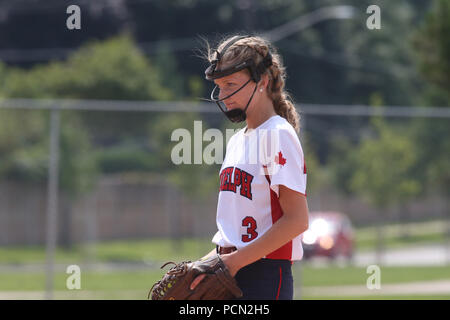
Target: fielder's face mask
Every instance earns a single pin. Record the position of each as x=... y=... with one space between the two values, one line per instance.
x=211 y=73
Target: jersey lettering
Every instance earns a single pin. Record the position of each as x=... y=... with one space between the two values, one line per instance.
x=240 y=178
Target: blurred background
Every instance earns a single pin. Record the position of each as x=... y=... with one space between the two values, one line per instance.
x=86 y=118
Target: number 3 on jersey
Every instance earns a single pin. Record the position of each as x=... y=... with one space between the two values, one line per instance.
x=250 y=223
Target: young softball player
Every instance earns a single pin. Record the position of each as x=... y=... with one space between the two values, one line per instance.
x=262 y=208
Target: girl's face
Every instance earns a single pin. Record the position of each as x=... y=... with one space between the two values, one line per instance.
x=229 y=84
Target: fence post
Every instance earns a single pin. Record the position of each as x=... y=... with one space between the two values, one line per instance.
x=52 y=201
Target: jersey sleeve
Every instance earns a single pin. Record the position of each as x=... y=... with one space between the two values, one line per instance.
x=285 y=163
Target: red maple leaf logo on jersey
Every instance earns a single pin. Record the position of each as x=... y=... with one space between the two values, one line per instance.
x=279 y=159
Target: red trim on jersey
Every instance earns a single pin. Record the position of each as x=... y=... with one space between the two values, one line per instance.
x=284 y=252
x=279 y=286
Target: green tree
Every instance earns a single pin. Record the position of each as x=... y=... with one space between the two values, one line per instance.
x=205 y=176
x=384 y=167
x=432 y=43
x=112 y=69
x=342 y=163
x=24 y=156
x=23 y=145
x=384 y=171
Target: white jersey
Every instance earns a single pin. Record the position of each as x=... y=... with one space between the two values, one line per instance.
x=256 y=162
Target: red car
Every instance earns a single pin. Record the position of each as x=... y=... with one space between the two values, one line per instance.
x=330 y=234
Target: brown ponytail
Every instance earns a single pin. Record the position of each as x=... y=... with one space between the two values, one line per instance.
x=282 y=102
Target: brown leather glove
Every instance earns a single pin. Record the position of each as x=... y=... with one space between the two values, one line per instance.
x=217 y=284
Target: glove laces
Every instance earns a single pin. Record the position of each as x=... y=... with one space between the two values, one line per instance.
x=167 y=282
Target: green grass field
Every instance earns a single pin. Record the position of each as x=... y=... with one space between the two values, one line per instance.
x=135 y=284
x=15 y=283
x=152 y=250
x=310 y=276
x=112 y=251
x=400 y=235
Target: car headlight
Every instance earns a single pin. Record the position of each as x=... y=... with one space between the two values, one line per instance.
x=320 y=227
x=309 y=237
x=326 y=242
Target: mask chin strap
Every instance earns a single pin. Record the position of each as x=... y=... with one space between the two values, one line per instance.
x=234 y=115
x=232 y=94
x=238 y=115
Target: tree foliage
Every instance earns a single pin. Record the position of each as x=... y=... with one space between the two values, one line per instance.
x=384 y=164
x=113 y=69
x=432 y=42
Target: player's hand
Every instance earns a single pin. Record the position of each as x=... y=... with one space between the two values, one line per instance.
x=199 y=278
x=229 y=261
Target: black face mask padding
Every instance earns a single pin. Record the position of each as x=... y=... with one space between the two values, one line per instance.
x=238 y=115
